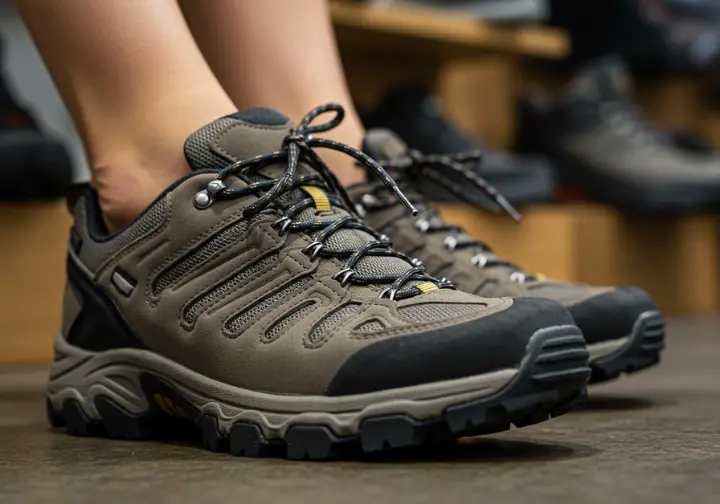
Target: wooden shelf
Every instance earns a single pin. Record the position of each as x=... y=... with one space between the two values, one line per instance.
x=32 y=268
x=447 y=28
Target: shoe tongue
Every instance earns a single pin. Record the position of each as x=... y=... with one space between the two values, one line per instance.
x=604 y=79
x=236 y=137
x=253 y=132
x=383 y=144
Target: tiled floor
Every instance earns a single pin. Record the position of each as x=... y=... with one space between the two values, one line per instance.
x=650 y=438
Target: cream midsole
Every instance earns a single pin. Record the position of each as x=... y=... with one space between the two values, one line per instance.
x=605 y=348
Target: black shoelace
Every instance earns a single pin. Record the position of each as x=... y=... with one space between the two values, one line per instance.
x=299 y=146
x=408 y=171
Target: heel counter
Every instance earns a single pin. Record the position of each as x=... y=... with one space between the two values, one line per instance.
x=91 y=319
x=71 y=307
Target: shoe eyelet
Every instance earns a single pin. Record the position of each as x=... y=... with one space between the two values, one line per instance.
x=346 y=273
x=445 y=284
x=480 y=260
x=202 y=200
x=313 y=249
x=368 y=200
x=416 y=262
x=360 y=210
x=283 y=222
x=518 y=277
x=450 y=243
x=392 y=292
x=422 y=225
x=215 y=186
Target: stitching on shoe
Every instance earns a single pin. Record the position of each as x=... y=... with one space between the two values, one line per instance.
x=268 y=277
x=133 y=246
x=231 y=219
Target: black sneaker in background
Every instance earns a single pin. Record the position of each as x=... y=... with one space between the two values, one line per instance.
x=416 y=116
x=32 y=165
x=708 y=9
x=652 y=36
x=600 y=144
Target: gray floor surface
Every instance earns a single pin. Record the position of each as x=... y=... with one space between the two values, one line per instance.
x=653 y=437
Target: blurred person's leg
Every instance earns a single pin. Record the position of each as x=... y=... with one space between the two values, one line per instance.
x=136 y=85
x=280 y=54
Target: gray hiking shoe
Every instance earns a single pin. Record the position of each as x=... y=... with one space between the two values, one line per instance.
x=249 y=301
x=623 y=329
x=599 y=143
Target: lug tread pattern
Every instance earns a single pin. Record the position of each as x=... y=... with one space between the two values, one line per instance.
x=647 y=341
x=551 y=381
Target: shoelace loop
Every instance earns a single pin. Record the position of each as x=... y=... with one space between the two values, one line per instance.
x=299 y=145
x=415 y=164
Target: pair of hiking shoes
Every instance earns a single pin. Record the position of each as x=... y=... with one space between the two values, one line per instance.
x=261 y=302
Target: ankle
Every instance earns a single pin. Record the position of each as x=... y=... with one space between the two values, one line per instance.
x=127 y=187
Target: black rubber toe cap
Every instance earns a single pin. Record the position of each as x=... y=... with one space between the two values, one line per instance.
x=498 y=341
x=611 y=315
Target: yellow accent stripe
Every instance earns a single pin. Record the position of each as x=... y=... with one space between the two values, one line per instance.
x=426 y=287
x=160 y=400
x=168 y=406
x=540 y=276
x=175 y=408
x=322 y=203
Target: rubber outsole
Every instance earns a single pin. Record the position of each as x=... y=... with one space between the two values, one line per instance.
x=646 y=342
x=552 y=380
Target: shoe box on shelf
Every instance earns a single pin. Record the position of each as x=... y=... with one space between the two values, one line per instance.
x=676 y=259
x=32 y=267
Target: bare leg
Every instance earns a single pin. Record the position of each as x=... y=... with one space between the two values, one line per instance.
x=136 y=86
x=280 y=54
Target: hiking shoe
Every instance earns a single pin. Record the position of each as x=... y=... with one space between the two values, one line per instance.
x=600 y=144
x=623 y=329
x=250 y=301
x=415 y=114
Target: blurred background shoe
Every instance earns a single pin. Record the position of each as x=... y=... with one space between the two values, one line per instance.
x=709 y=9
x=32 y=165
x=415 y=115
x=649 y=34
x=600 y=144
x=501 y=11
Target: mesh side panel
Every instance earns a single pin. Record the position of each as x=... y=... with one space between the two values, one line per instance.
x=197 y=147
x=370 y=326
x=330 y=321
x=351 y=239
x=209 y=298
x=199 y=256
x=290 y=319
x=240 y=321
x=150 y=221
x=430 y=312
x=382 y=266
